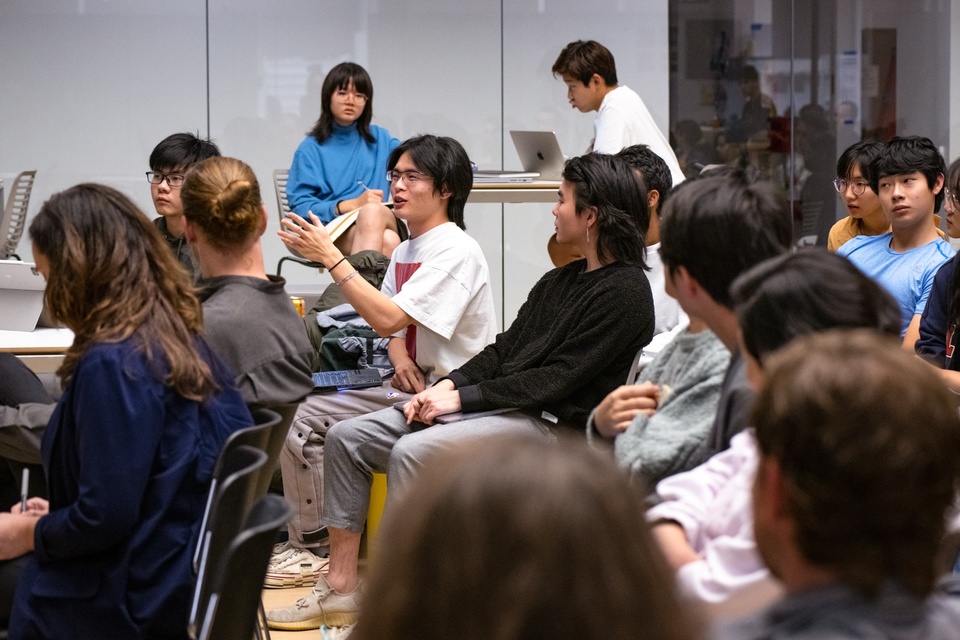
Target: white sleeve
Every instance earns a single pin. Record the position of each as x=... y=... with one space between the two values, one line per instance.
x=611 y=132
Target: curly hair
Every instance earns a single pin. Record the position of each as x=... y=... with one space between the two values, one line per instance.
x=112 y=277
x=868 y=441
x=520 y=538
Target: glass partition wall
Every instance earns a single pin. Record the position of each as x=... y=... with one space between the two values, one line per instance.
x=785 y=86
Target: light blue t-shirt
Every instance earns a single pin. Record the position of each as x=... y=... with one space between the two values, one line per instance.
x=908 y=276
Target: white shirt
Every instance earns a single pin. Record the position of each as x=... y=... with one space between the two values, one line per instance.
x=623 y=120
x=444 y=285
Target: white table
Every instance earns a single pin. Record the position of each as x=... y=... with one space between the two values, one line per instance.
x=514 y=192
x=41 y=349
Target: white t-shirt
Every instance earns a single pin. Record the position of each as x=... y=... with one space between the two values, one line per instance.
x=441 y=280
x=669 y=317
x=623 y=120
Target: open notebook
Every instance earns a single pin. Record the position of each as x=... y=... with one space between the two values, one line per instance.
x=339 y=225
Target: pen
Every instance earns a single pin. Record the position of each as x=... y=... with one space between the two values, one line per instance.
x=360 y=182
x=24 y=483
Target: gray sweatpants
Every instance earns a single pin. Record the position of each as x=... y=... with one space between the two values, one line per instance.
x=382 y=442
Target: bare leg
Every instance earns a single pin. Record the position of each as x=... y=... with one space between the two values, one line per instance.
x=344 y=557
x=391 y=239
x=373 y=220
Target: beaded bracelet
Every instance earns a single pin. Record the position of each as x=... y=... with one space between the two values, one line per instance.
x=346 y=277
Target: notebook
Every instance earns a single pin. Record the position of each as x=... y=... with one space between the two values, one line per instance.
x=450 y=418
x=346 y=379
x=21 y=295
x=540 y=157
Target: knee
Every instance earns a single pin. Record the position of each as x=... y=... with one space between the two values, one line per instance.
x=371 y=216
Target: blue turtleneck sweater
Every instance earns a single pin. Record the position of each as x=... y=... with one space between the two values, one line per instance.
x=323 y=174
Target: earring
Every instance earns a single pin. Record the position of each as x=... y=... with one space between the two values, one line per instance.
x=588 y=235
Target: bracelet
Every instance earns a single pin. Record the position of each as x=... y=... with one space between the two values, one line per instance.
x=337 y=263
x=337 y=208
x=346 y=277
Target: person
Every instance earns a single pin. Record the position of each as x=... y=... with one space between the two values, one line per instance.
x=130 y=449
x=248 y=317
x=713 y=229
x=938 y=334
x=341 y=164
x=849 y=519
x=908 y=176
x=169 y=162
x=693 y=153
x=435 y=304
x=703 y=520
x=568 y=347
x=590 y=73
x=866 y=214
x=758 y=107
x=501 y=525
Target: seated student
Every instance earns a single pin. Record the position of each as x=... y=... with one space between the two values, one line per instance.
x=131 y=445
x=703 y=521
x=501 y=525
x=340 y=166
x=866 y=213
x=570 y=345
x=713 y=229
x=907 y=175
x=435 y=302
x=938 y=324
x=849 y=519
x=169 y=163
x=249 y=319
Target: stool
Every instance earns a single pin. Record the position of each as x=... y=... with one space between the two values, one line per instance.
x=378 y=496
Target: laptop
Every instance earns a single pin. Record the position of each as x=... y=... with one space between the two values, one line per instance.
x=450 y=418
x=540 y=157
x=21 y=295
x=344 y=379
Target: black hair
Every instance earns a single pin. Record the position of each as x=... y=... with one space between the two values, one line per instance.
x=909 y=154
x=446 y=162
x=719 y=225
x=610 y=185
x=653 y=169
x=952 y=182
x=859 y=154
x=582 y=59
x=180 y=151
x=809 y=291
x=340 y=77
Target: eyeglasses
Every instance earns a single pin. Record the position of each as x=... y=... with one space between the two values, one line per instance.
x=173 y=179
x=409 y=177
x=953 y=196
x=858 y=187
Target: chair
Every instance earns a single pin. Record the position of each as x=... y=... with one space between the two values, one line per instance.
x=234 y=595
x=15 y=214
x=228 y=510
x=283 y=208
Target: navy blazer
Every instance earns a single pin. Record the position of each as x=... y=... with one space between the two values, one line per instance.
x=128 y=464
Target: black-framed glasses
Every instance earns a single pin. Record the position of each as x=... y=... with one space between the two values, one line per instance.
x=409 y=177
x=173 y=179
x=858 y=187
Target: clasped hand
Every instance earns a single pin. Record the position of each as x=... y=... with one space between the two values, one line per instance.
x=615 y=413
x=440 y=399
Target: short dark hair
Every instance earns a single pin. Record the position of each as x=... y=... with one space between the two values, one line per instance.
x=340 y=77
x=582 y=59
x=488 y=542
x=805 y=292
x=652 y=168
x=446 y=162
x=719 y=225
x=181 y=151
x=860 y=154
x=610 y=185
x=907 y=155
x=868 y=473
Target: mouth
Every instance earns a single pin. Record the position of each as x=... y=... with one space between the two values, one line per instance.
x=901 y=209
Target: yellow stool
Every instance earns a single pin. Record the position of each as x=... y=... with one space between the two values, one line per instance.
x=378 y=496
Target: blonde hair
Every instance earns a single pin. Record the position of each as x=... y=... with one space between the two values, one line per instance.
x=221 y=196
x=112 y=277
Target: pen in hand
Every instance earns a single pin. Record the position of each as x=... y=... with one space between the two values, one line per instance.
x=360 y=182
x=24 y=485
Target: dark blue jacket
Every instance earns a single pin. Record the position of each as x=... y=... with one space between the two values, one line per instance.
x=128 y=464
x=938 y=338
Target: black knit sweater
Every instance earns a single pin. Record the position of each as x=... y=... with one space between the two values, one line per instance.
x=571 y=344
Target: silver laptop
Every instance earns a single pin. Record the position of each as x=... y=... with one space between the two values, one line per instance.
x=21 y=295
x=540 y=157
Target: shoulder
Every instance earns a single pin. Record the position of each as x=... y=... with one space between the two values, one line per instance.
x=865 y=244
x=942 y=249
x=380 y=134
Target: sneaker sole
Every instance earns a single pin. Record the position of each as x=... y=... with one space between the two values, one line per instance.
x=331 y=620
x=286 y=580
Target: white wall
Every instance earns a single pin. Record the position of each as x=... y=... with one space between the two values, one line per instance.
x=88 y=87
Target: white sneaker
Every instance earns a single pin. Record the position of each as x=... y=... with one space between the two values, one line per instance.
x=335 y=633
x=293 y=567
x=323 y=606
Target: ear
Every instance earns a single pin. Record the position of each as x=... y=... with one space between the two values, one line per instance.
x=938 y=185
x=189 y=231
x=653 y=200
x=770 y=501
x=590 y=216
x=685 y=283
x=263 y=219
x=596 y=81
